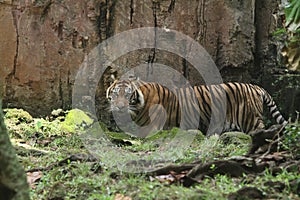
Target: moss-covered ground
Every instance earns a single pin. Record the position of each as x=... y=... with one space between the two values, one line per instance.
x=59 y=164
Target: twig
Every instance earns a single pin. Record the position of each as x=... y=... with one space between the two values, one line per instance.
x=273 y=142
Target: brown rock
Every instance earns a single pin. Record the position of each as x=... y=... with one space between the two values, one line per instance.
x=52 y=39
x=8 y=45
x=47 y=41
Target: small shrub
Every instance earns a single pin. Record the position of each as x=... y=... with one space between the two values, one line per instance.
x=291 y=138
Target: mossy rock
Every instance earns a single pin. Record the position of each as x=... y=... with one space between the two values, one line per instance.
x=119 y=135
x=103 y=126
x=19 y=115
x=163 y=134
x=123 y=138
x=99 y=131
x=58 y=114
x=235 y=138
x=199 y=136
x=76 y=120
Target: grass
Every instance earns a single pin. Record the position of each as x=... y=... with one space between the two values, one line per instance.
x=42 y=142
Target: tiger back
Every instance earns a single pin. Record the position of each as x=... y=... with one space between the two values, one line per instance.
x=244 y=105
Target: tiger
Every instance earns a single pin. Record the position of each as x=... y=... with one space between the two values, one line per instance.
x=240 y=104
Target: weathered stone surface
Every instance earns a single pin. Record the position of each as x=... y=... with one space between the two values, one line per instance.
x=225 y=28
x=237 y=138
x=8 y=41
x=47 y=41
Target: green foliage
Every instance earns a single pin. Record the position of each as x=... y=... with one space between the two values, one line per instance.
x=289 y=35
x=284 y=177
x=279 y=32
x=291 y=138
x=292 y=13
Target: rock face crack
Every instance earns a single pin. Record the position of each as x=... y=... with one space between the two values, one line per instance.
x=46 y=10
x=102 y=21
x=259 y=32
x=60 y=30
x=105 y=19
x=60 y=91
x=201 y=22
x=171 y=6
x=131 y=11
x=15 y=15
x=152 y=55
x=111 y=7
x=218 y=51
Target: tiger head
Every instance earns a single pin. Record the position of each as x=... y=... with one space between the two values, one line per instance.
x=125 y=96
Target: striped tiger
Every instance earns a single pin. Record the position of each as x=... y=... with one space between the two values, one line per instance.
x=239 y=104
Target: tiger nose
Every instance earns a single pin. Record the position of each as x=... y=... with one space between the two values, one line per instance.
x=121 y=105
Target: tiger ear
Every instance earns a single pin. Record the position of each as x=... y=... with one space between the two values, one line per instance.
x=113 y=77
x=133 y=78
x=110 y=88
x=112 y=73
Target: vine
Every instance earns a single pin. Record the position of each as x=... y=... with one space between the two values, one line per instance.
x=291 y=34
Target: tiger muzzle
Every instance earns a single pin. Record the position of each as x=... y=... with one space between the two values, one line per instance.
x=121 y=105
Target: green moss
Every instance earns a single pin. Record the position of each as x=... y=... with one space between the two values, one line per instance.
x=167 y=134
x=76 y=120
x=199 y=136
x=99 y=129
x=119 y=135
x=103 y=126
x=18 y=115
x=20 y=123
x=237 y=138
x=162 y=134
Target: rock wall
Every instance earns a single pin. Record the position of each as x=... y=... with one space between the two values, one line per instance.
x=225 y=28
x=44 y=42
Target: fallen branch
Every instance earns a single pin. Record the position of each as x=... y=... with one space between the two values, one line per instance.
x=172 y=168
x=261 y=139
x=74 y=157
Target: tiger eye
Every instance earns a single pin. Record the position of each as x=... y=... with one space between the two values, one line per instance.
x=128 y=90
x=115 y=90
